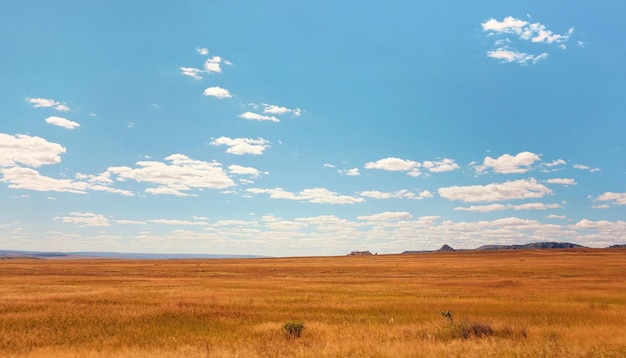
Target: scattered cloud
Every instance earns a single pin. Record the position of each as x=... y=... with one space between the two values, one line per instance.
x=585 y=167
x=27 y=150
x=562 y=181
x=240 y=146
x=507 y=56
x=62 y=122
x=180 y=175
x=517 y=189
x=387 y=216
x=525 y=31
x=500 y=207
x=278 y=110
x=400 y=194
x=412 y=167
x=258 y=117
x=241 y=170
x=217 y=92
x=610 y=198
x=84 y=219
x=314 y=195
x=350 y=172
x=203 y=51
x=45 y=102
x=179 y=222
x=508 y=164
x=554 y=216
x=130 y=222
x=191 y=72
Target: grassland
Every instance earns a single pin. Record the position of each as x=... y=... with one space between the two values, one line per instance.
x=550 y=303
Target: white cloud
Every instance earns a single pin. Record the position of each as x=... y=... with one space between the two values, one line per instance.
x=585 y=167
x=84 y=219
x=350 y=172
x=258 y=117
x=412 y=167
x=273 y=109
x=517 y=189
x=178 y=222
x=30 y=179
x=314 y=195
x=202 y=51
x=27 y=150
x=507 y=164
x=62 y=122
x=241 y=170
x=500 y=207
x=395 y=165
x=555 y=163
x=553 y=216
x=213 y=64
x=217 y=92
x=192 y=72
x=175 y=178
x=400 y=194
x=506 y=55
x=611 y=199
x=534 y=32
x=130 y=222
x=561 y=181
x=240 y=146
x=387 y=216
x=44 y=102
x=482 y=208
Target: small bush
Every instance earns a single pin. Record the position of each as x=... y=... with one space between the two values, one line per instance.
x=465 y=330
x=293 y=329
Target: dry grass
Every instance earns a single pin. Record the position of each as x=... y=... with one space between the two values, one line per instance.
x=552 y=303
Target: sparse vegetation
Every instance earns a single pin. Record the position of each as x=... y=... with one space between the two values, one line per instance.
x=562 y=303
x=293 y=329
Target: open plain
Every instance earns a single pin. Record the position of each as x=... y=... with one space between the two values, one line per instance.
x=522 y=303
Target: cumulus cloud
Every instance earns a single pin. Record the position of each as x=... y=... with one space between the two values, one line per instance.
x=314 y=195
x=62 y=122
x=258 y=117
x=240 y=146
x=585 y=167
x=213 y=64
x=278 y=110
x=180 y=175
x=525 y=31
x=45 y=102
x=241 y=170
x=350 y=172
x=178 y=222
x=500 y=207
x=610 y=198
x=203 y=51
x=412 y=167
x=27 y=150
x=517 y=189
x=387 y=216
x=217 y=92
x=508 y=164
x=400 y=194
x=561 y=181
x=84 y=219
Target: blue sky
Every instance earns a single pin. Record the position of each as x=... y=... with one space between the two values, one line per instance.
x=310 y=128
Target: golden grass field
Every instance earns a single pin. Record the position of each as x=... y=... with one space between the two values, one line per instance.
x=549 y=303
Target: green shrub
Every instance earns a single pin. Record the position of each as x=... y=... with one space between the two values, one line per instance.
x=293 y=329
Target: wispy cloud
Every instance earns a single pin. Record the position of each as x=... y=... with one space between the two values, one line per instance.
x=314 y=195
x=586 y=167
x=609 y=198
x=412 y=168
x=278 y=110
x=84 y=219
x=562 y=181
x=507 y=55
x=517 y=189
x=258 y=117
x=500 y=207
x=387 y=216
x=240 y=146
x=191 y=72
x=46 y=102
x=62 y=122
x=400 y=194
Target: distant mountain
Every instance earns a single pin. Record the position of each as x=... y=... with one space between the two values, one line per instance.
x=112 y=255
x=445 y=247
x=623 y=246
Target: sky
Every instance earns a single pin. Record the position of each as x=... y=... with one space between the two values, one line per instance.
x=304 y=128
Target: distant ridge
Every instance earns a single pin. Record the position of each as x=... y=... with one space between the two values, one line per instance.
x=531 y=246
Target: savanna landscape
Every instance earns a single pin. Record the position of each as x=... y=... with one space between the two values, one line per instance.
x=521 y=303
